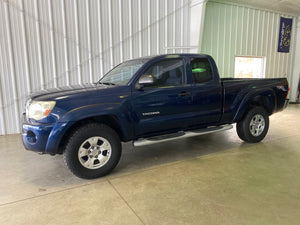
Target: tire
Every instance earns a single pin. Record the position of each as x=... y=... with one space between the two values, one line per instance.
x=92 y=151
x=254 y=126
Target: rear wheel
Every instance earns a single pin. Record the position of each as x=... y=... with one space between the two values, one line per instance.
x=93 y=151
x=254 y=126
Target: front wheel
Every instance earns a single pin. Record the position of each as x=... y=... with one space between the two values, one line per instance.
x=93 y=151
x=254 y=126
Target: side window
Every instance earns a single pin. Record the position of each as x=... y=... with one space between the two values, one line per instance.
x=167 y=73
x=201 y=70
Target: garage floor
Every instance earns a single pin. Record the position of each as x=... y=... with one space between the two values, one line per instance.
x=210 y=179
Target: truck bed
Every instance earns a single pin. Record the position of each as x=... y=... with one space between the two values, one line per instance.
x=235 y=90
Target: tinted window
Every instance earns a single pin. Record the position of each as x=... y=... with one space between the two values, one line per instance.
x=201 y=70
x=167 y=73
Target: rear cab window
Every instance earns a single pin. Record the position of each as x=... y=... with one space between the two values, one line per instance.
x=201 y=70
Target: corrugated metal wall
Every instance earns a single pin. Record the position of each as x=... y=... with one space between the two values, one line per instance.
x=233 y=30
x=51 y=43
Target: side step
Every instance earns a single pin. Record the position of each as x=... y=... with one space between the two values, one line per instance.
x=179 y=135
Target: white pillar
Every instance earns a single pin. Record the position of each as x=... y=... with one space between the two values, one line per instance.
x=197 y=13
x=296 y=65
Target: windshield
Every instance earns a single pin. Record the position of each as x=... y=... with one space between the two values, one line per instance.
x=121 y=74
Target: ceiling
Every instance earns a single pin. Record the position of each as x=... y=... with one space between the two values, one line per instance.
x=287 y=6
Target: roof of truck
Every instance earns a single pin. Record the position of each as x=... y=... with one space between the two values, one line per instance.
x=147 y=58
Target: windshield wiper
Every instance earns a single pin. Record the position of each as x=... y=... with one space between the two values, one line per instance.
x=106 y=83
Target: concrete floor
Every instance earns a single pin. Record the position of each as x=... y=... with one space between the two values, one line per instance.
x=210 y=179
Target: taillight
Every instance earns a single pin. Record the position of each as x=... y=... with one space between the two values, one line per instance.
x=287 y=94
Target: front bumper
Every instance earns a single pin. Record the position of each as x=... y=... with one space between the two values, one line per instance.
x=35 y=137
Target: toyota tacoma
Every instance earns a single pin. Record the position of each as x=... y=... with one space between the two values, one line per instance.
x=146 y=101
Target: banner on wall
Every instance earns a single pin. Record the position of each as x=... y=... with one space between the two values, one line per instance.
x=285 y=29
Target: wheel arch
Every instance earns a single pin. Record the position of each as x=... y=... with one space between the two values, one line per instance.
x=108 y=120
x=263 y=98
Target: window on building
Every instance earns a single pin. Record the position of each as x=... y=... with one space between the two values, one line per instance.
x=249 y=67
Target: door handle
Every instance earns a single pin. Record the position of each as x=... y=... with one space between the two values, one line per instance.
x=184 y=93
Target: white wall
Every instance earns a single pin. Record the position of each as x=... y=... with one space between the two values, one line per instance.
x=231 y=30
x=296 y=65
x=197 y=13
x=52 y=43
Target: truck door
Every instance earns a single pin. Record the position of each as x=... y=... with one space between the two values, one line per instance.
x=206 y=93
x=166 y=103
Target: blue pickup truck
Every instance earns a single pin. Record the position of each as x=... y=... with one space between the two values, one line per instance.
x=147 y=100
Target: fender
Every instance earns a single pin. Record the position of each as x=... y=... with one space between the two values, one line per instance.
x=55 y=137
x=269 y=101
x=119 y=111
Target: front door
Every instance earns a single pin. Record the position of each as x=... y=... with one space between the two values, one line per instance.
x=165 y=104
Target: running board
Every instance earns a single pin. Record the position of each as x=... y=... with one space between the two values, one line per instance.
x=179 y=135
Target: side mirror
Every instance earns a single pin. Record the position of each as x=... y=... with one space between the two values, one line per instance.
x=144 y=81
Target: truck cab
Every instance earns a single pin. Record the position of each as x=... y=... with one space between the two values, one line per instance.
x=174 y=93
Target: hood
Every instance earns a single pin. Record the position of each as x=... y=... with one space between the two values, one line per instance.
x=54 y=93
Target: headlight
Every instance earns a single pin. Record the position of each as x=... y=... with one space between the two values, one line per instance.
x=39 y=109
